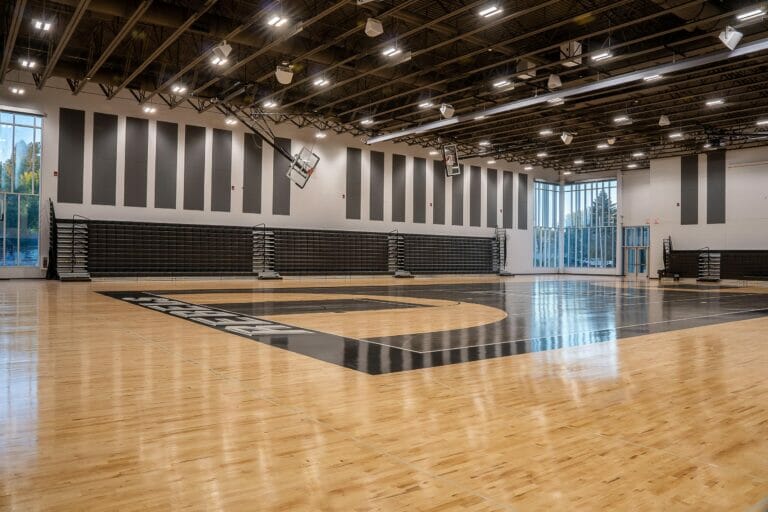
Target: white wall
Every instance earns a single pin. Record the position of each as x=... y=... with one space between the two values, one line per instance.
x=320 y=205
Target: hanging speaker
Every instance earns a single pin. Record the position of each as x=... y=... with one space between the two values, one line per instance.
x=373 y=27
x=284 y=74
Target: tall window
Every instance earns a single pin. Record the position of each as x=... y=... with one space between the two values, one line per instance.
x=20 y=147
x=546 y=239
x=589 y=238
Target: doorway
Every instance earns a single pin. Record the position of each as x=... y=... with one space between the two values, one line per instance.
x=636 y=242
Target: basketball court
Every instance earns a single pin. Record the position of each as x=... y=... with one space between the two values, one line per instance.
x=367 y=255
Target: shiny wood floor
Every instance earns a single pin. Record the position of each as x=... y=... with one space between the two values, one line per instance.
x=107 y=406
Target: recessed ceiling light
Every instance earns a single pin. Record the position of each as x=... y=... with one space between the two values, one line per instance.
x=484 y=143
x=230 y=121
x=391 y=51
x=604 y=55
x=638 y=154
x=501 y=83
x=631 y=166
x=546 y=132
x=603 y=146
x=491 y=10
x=320 y=135
x=754 y=13
x=16 y=90
x=541 y=154
x=653 y=78
x=277 y=21
x=675 y=135
x=491 y=162
x=269 y=104
x=762 y=122
x=321 y=82
x=367 y=121
x=426 y=104
x=578 y=161
x=148 y=109
x=179 y=89
x=621 y=119
x=528 y=168
x=714 y=103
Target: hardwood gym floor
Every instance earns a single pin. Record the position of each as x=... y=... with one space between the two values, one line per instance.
x=108 y=405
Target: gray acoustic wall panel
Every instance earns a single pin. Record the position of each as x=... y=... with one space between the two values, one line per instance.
x=136 y=155
x=716 y=187
x=419 y=190
x=377 y=186
x=354 y=182
x=508 y=199
x=689 y=190
x=457 y=199
x=398 y=188
x=438 y=192
x=475 y=195
x=166 y=160
x=522 y=201
x=194 y=167
x=281 y=185
x=252 y=147
x=221 y=171
x=71 y=155
x=104 y=180
x=490 y=202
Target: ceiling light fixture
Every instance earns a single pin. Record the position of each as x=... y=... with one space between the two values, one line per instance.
x=707 y=145
x=179 y=89
x=621 y=119
x=542 y=154
x=320 y=135
x=391 y=51
x=556 y=101
x=730 y=37
x=16 y=90
x=484 y=143
x=277 y=21
x=45 y=26
x=284 y=73
x=478 y=118
x=638 y=154
x=546 y=132
x=148 y=109
x=321 y=82
x=27 y=63
x=754 y=13
x=426 y=104
x=491 y=161
x=367 y=121
x=373 y=27
x=433 y=152
x=762 y=122
x=603 y=145
x=567 y=173
x=676 y=135
x=631 y=166
x=221 y=54
x=714 y=103
x=528 y=168
x=269 y=104
x=491 y=10
x=501 y=83
x=652 y=78
x=578 y=161
x=230 y=121
x=604 y=55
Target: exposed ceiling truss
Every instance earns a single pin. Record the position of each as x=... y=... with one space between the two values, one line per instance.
x=454 y=56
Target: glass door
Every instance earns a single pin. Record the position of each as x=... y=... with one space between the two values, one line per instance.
x=636 y=240
x=20 y=150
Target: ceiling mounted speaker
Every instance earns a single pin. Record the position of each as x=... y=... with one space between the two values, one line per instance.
x=284 y=74
x=373 y=27
x=554 y=82
x=664 y=121
x=572 y=52
x=567 y=138
x=446 y=110
x=611 y=141
x=731 y=37
x=222 y=51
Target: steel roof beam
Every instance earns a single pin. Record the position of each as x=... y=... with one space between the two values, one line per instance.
x=13 y=33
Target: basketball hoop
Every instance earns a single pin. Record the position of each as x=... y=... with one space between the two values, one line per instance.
x=302 y=167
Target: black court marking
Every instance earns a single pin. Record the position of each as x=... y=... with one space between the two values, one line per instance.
x=259 y=309
x=542 y=316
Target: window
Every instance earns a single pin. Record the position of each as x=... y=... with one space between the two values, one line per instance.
x=20 y=149
x=589 y=237
x=546 y=239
